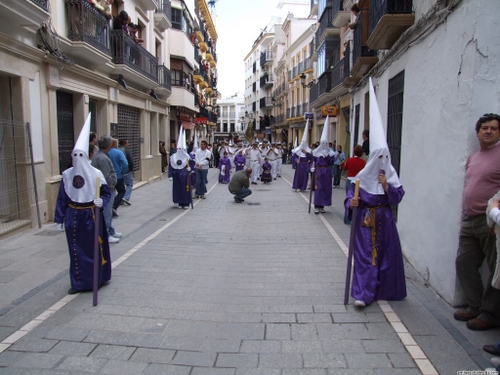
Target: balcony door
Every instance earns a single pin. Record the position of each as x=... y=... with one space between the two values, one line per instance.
x=65 y=129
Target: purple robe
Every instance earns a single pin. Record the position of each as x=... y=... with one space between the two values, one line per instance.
x=180 y=186
x=192 y=174
x=227 y=175
x=79 y=226
x=295 y=157
x=266 y=172
x=385 y=280
x=301 y=175
x=323 y=181
x=240 y=161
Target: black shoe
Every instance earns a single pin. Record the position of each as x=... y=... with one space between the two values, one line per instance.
x=237 y=200
x=72 y=291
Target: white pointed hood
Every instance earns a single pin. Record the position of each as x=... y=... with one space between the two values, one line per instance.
x=80 y=180
x=380 y=158
x=304 y=144
x=180 y=159
x=323 y=149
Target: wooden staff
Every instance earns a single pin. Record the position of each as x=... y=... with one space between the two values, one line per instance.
x=97 y=258
x=351 y=246
x=313 y=175
x=190 y=188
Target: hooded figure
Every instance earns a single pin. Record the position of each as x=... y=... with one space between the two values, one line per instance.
x=378 y=259
x=303 y=153
x=323 y=158
x=178 y=172
x=74 y=213
x=294 y=156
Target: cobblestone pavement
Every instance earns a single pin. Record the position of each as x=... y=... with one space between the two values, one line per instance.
x=225 y=288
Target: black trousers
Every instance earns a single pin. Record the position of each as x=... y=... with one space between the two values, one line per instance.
x=120 y=188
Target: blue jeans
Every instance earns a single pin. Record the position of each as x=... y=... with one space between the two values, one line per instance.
x=201 y=178
x=128 y=179
x=107 y=213
x=242 y=193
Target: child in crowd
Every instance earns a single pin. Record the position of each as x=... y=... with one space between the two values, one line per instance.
x=266 y=172
x=225 y=169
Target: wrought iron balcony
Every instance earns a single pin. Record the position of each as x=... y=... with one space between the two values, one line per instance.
x=165 y=77
x=326 y=28
x=314 y=93
x=87 y=24
x=312 y=50
x=266 y=102
x=266 y=57
x=307 y=64
x=266 y=80
x=125 y=50
x=340 y=71
x=388 y=21
x=44 y=4
x=362 y=56
x=163 y=15
x=325 y=82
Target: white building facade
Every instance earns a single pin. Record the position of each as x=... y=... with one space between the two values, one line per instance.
x=60 y=61
x=432 y=85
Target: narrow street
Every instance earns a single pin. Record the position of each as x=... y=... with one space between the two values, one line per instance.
x=225 y=288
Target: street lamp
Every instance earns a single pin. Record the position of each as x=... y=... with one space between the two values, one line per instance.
x=310 y=84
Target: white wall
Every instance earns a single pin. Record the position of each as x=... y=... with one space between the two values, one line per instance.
x=451 y=79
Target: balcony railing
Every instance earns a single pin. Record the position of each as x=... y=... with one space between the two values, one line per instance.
x=380 y=7
x=300 y=67
x=388 y=21
x=296 y=71
x=266 y=79
x=44 y=4
x=340 y=71
x=290 y=75
x=358 y=49
x=87 y=24
x=165 y=8
x=265 y=57
x=165 y=77
x=266 y=102
x=288 y=112
x=307 y=64
x=298 y=110
x=125 y=50
x=314 y=93
x=325 y=83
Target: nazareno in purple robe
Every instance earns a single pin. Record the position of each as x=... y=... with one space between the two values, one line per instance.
x=180 y=187
x=301 y=175
x=386 y=279
x=323 y=181
x=79 y=226
x=224 y=179
x=266 y=172
x=239 y=162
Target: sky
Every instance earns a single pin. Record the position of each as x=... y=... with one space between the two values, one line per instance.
x=238 y=24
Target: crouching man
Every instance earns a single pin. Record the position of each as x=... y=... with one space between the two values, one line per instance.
x=239 y=185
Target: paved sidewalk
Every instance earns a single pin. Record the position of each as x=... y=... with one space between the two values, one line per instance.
x=226 y=288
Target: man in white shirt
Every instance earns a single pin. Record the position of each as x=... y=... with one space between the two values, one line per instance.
x=202 y=160
x=272 y=155
x=254 y=156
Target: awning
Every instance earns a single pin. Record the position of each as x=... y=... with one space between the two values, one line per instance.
x=187 y=125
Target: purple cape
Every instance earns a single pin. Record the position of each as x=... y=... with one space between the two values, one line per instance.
x=79 y=226
x=323 y=181
x=385 y=280
x=240 y=161
x=301 y=173
x=266 y=172
x=227 y=175
x=180 y=187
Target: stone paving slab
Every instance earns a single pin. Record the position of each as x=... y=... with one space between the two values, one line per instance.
x=226 y=289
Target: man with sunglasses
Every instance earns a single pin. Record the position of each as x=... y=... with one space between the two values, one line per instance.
x=476 y=242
